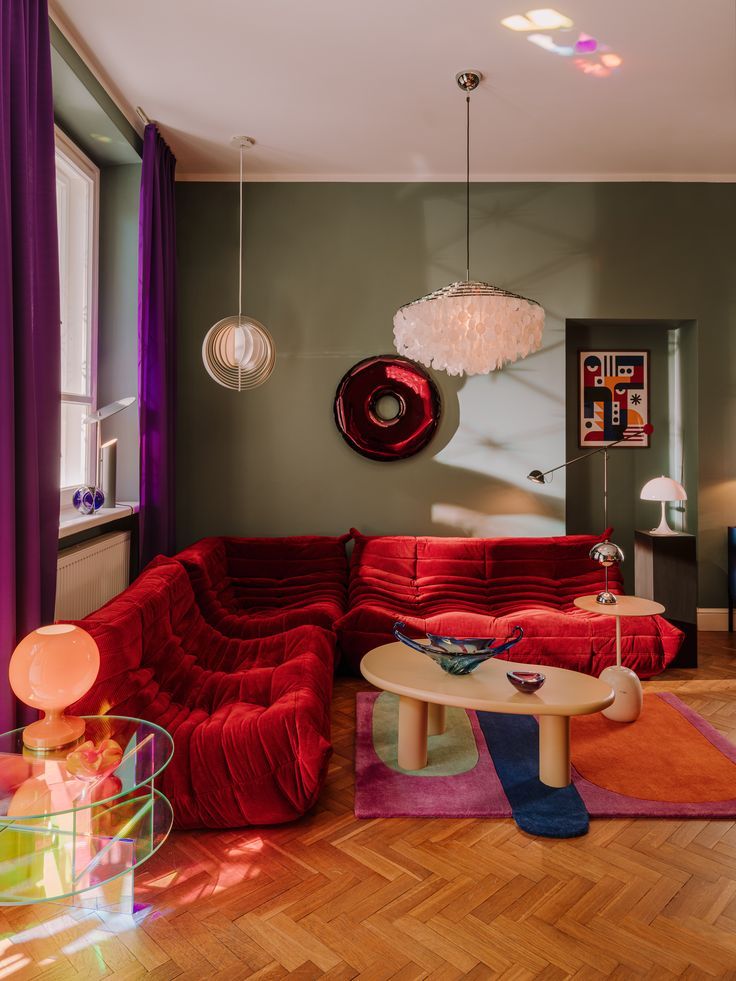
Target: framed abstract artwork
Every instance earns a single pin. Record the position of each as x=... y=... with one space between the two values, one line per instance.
x=613 y=398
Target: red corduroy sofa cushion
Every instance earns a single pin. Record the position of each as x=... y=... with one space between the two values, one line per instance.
x=256 y=587
x=250 y=718
x=484 y=587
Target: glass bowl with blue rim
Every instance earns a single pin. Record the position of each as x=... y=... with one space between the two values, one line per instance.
x=458 y=655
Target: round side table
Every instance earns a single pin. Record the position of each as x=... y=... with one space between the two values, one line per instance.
x=72 y=834
x=627 y=704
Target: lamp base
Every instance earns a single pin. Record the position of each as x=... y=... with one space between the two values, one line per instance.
x=53 y=731
x=606 y=599
x=663 y=528
x=627 y=688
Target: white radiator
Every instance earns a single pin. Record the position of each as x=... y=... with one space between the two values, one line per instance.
x=90 y=574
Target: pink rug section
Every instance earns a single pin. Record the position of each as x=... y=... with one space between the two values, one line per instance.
x=382 y=792
x=607 y=804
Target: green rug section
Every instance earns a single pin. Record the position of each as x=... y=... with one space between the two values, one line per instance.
x=449 y=754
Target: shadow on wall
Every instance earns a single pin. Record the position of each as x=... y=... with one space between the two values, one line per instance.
x=326 y=268
x=510 y=420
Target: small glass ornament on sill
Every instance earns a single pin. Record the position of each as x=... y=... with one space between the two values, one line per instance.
x=88 y=499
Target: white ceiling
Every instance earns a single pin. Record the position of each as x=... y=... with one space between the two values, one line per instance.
x=350 y=90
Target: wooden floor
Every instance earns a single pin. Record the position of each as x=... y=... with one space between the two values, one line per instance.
x=335 y=897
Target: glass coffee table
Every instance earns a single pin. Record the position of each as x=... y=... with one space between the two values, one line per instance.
x=69 y=831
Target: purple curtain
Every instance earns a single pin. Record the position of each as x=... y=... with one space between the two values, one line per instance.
x=156 y=344
x=30 y=399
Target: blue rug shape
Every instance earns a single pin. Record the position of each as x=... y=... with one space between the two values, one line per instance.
x=548 y=812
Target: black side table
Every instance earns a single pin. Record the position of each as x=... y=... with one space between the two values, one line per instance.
x=666 y=570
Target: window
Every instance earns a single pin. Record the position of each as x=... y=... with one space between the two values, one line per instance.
x=77 y=200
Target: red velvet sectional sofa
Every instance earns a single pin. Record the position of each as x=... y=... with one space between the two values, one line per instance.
x=476 y=587
x=250 y=718
x=231 y=645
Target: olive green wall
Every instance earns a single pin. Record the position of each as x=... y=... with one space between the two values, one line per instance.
x=326 y=266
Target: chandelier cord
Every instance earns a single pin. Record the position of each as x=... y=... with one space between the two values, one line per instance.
x=467 y=188
x=240 y=247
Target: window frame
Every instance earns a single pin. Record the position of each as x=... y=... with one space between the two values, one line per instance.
x=79 y=161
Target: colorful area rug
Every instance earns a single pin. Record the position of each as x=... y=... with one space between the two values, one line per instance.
x=669 y=763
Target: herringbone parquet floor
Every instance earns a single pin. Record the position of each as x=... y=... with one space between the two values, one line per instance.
x=334 y=897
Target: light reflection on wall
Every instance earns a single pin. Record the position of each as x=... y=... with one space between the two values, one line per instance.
x=508 y=425
x=477 y=524
x=589 y=55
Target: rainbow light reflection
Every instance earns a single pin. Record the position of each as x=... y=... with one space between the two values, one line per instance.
x=545 y=19
x=588 y=54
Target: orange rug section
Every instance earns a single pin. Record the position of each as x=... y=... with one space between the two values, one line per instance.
x=659 y=757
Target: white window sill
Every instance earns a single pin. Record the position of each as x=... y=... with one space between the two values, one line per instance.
x=71 y=522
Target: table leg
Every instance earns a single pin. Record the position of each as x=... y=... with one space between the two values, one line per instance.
x=435 y=720
x=113 y=899
x=554 y=750
x=412 y=733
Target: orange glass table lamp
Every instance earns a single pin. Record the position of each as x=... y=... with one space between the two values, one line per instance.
x=51 y=668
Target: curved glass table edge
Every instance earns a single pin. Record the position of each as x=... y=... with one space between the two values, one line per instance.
x=41 y=757
x=22 y=901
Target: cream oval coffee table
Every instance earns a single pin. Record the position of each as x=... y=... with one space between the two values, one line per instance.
x=424 y=690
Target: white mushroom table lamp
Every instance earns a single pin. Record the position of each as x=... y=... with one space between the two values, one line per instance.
x=663 y=489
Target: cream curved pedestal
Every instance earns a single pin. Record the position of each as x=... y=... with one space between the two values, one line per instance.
x=424 y=690
x=629 y=696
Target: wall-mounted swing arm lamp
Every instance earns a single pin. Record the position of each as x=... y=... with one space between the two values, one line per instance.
x=540 y=476
x=605 y=552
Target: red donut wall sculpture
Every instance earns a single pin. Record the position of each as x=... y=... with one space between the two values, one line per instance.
x=409 y=393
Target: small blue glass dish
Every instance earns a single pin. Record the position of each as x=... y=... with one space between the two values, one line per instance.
x=458 y=655
x=526 y=681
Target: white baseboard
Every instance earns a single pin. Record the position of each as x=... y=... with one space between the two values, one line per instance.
x=712 y=619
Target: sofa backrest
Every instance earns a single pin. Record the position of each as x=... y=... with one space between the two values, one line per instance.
x=238 y=573
x=146 y=635
x=416 y=569
x=319 y=556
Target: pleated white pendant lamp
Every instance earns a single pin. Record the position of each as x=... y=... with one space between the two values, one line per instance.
x=468 y=327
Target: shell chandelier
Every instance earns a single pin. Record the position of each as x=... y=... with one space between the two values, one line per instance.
x=238 y=352
x=468 y=327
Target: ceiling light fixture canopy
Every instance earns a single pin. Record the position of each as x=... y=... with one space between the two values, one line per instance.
x=468 y=327
x=238 y=352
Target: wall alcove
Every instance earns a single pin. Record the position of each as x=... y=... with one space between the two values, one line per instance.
x=673 y=448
